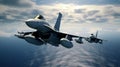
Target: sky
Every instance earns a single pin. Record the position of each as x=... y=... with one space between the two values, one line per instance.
x=80 y=17
x=83 y=15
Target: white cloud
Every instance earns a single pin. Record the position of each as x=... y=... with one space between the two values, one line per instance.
x=7 y=30
x=5 y=34
x=118 y=30
x=93 y=13
x=17 y=3
x=85 y=13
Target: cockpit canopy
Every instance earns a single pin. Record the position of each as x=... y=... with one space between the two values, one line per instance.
x=39 y=17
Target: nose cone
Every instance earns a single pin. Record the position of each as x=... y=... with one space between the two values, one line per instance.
x=28 y=23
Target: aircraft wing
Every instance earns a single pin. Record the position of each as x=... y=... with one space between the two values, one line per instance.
x=62 y=35
x=75 y=36
x=70 y=37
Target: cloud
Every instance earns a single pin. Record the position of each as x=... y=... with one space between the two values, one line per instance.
x=85 y=13
x=92 y=12
x=105 y=13
x=17 y=14
x=79 y=2
x=79 y=10
x=5 y=34
x=71 y=12
x=17 y=3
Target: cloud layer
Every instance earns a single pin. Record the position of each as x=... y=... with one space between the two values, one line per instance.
x=108 y=14
x=79 y=2
x=17 y=3
x=76 y=13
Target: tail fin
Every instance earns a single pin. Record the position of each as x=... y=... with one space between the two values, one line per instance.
x=57 y=24
x=96 y=34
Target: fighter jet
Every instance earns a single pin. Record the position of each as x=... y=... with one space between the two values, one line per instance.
x=45 y=33
x=94 y=39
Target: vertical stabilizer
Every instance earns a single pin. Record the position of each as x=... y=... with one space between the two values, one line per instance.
x=96 y=34
x=57 y=24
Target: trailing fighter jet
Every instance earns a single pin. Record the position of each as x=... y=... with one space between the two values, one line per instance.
x=94 y=39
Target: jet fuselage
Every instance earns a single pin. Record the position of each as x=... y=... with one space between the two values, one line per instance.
x=38 y=24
